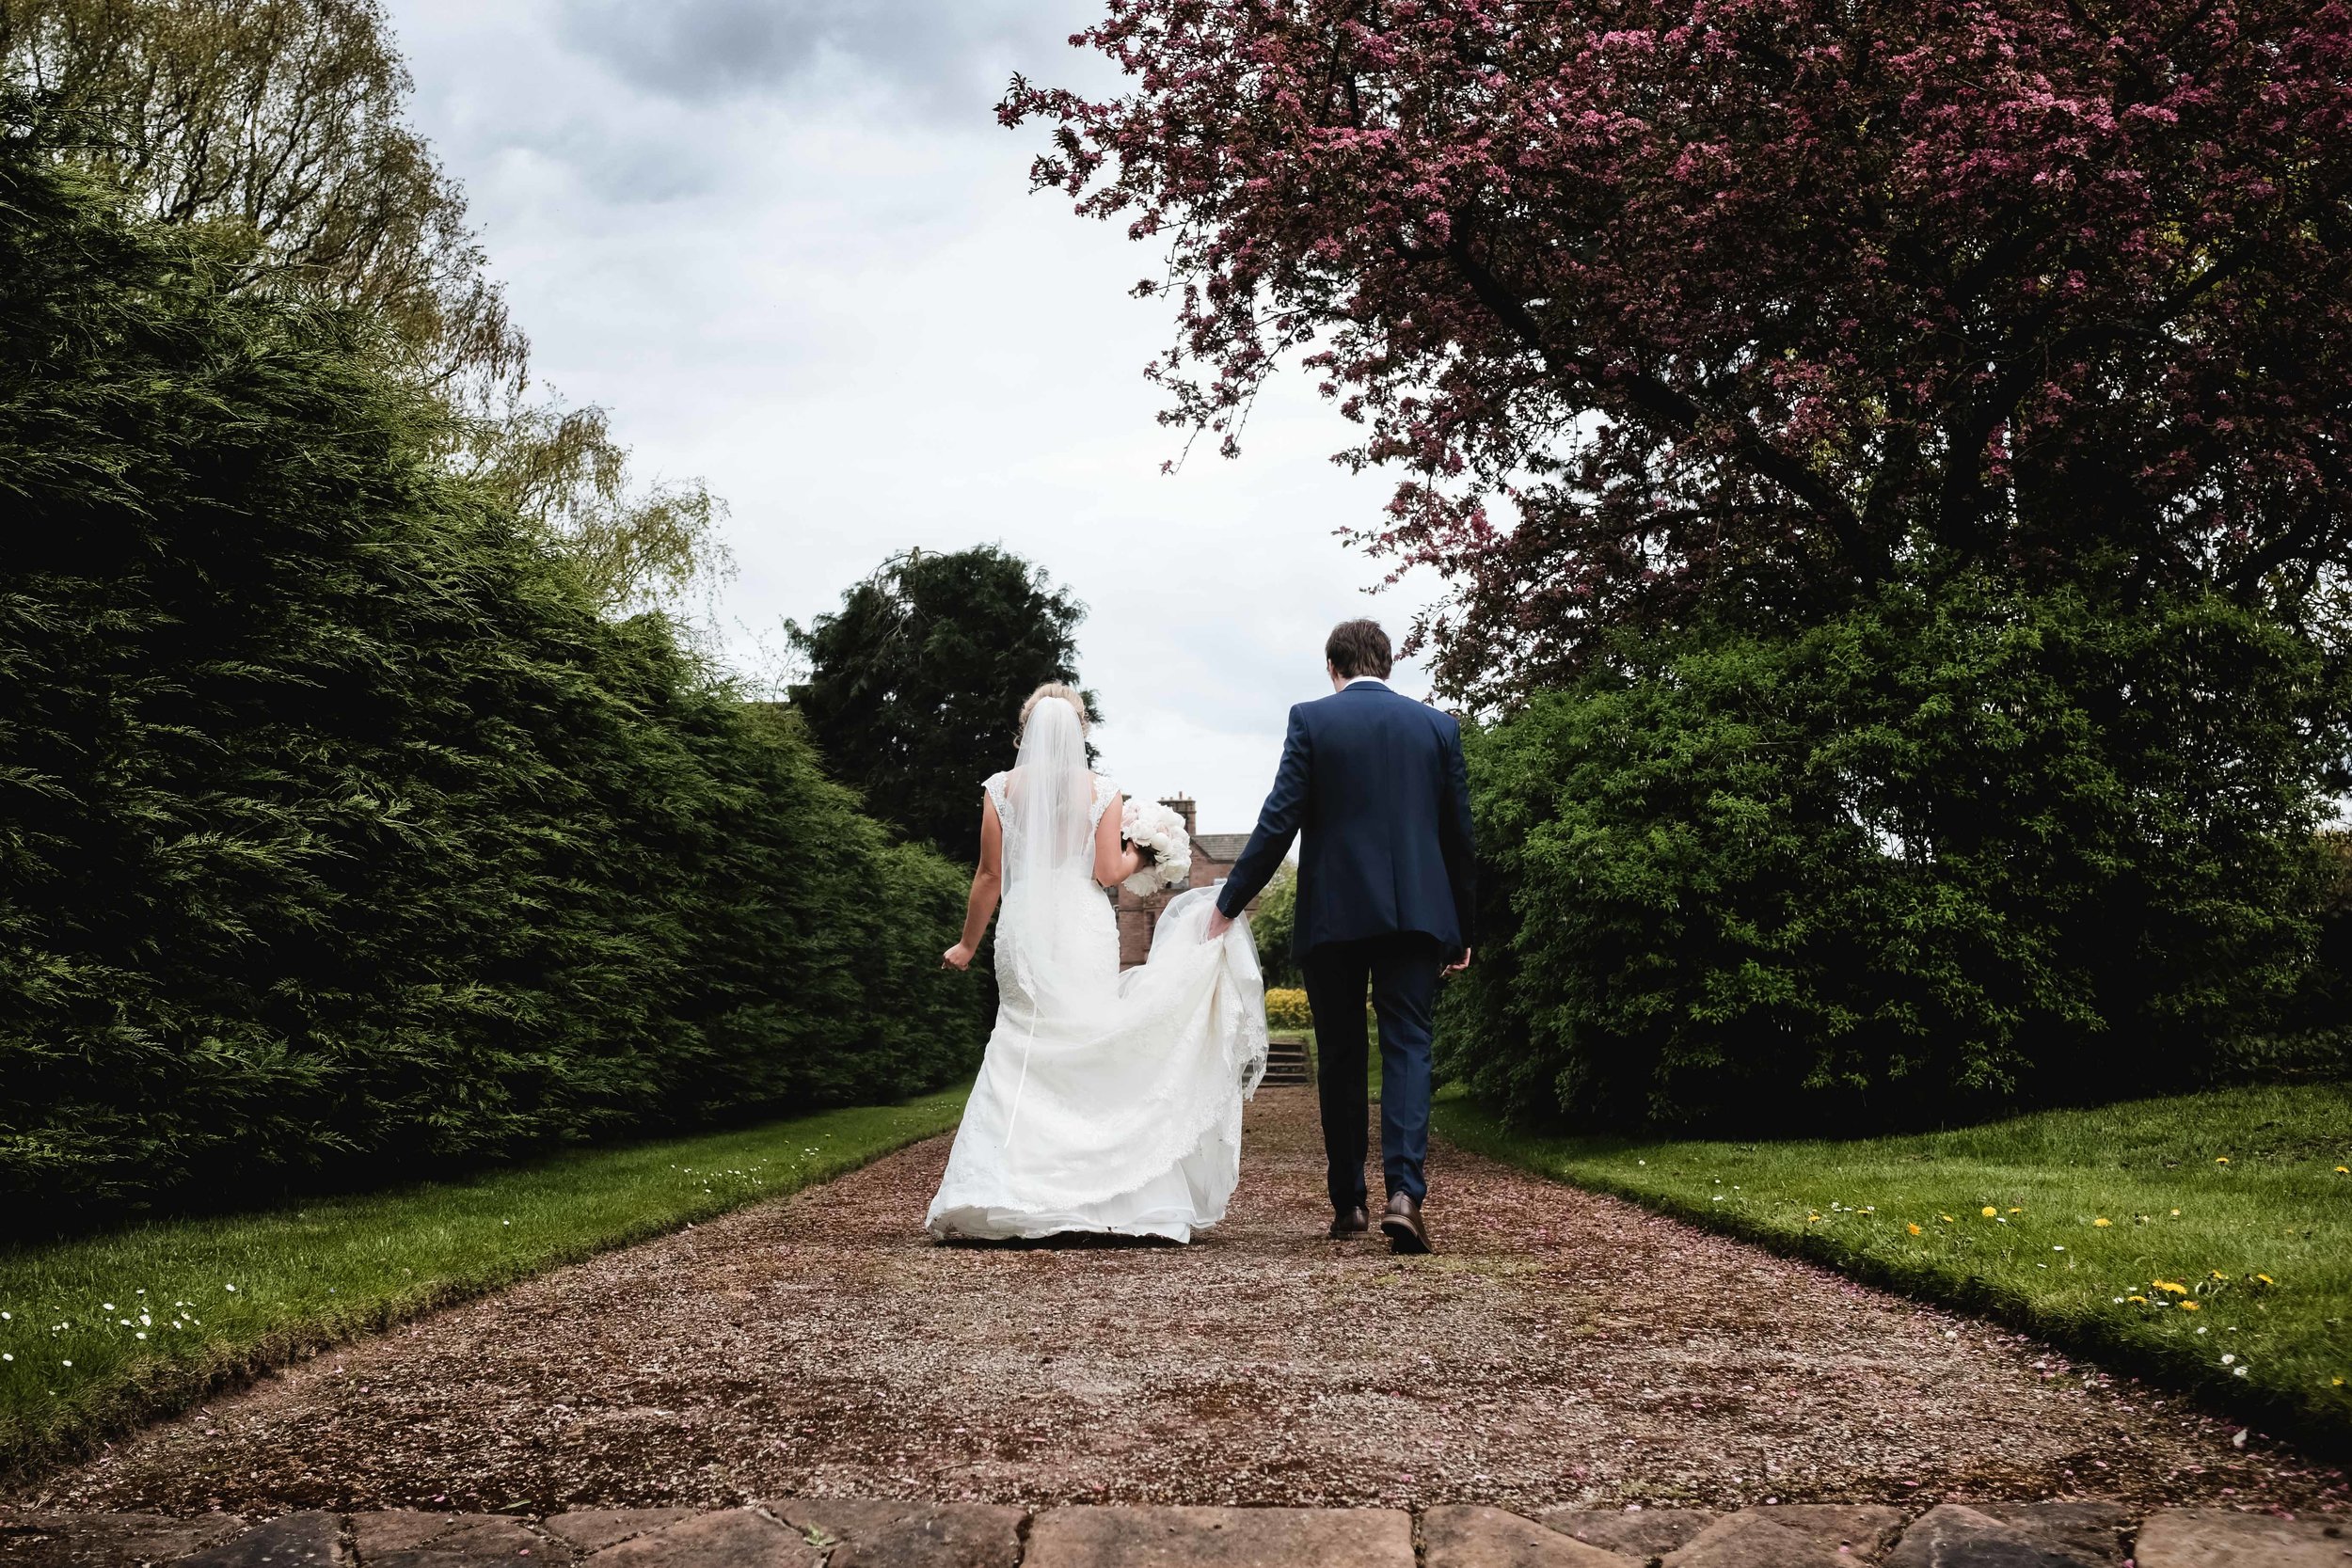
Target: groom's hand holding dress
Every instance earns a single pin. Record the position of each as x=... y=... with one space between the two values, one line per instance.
x=1220 y=923
x=1376 y=787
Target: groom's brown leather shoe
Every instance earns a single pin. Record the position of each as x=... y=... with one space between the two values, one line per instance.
x=1402 y=1225
x=1349 y=1222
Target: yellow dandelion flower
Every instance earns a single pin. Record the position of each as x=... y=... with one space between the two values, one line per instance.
x=1913 y=1228
x=2102 y=1222
x=2190 y=1306
x=2218 y=1275
x=2142 y=1300
x=2338 y=1382
x=2176 y=1214
x=2168 y=1287
x=1989 y=1210
x=1948 y=1219
x=2016 y=1211
x=2221 y=1159
x=2343 y=1171
x=2265 y=1280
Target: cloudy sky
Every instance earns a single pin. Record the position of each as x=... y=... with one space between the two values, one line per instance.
x=786 y=242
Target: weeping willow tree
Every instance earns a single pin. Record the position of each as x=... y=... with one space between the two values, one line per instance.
x=276 y=127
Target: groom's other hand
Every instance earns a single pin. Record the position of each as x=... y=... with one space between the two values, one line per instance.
x=1219 y=923
x=1459 y=964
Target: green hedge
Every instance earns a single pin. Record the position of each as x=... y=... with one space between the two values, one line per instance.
x=336 y=832
x=1958 y=850
x=1274 y=923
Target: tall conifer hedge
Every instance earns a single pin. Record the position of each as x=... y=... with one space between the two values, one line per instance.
x=337 y=833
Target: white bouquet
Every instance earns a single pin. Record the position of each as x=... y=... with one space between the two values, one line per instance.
x=1158 y=833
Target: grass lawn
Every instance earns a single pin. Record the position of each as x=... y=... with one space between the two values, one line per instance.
x=104 y=1331
x=2205 y=1239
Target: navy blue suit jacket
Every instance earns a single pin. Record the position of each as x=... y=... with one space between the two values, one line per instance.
x=1376 y=783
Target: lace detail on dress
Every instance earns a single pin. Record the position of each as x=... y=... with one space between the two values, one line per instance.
x=1104 y=793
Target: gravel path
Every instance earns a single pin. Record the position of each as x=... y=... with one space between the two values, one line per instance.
x=1561 y=1348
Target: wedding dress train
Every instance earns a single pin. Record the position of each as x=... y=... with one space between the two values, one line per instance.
x=1106 y=1102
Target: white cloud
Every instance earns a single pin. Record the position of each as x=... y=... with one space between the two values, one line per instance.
x=942 y=58
x=789 y=249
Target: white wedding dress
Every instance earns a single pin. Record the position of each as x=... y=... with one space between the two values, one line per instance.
x=1106 y=1102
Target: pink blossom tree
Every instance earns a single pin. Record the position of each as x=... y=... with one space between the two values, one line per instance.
x=1761 y=302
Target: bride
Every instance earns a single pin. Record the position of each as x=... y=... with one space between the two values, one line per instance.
x=1106 y=1102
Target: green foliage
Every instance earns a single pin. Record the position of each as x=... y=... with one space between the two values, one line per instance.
x=278 y=128
x=337 y=830
x=2314 y=1037
x=1953 y=851
x=1909 y=1213
x=1271 y=924
x=915 y=683
x=334 y=1267
x=562 y=470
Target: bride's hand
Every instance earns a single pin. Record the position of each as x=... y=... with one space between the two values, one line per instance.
x=957 y=957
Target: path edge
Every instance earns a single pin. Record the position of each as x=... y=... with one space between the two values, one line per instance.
x=2263 y=1413
x=168 y=1390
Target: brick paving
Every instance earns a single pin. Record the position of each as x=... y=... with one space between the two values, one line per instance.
x=866 y=1533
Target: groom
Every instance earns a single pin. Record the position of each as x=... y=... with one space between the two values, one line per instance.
x=1386 y=880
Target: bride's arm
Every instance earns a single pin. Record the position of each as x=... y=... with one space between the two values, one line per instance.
x=1114 y=862
x=987 y=882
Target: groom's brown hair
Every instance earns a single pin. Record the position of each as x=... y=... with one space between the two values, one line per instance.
x=1358 y=648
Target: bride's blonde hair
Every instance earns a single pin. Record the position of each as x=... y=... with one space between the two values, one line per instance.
x=1069 y=694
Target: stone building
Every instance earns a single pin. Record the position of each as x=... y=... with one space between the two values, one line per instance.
x=1213 y=856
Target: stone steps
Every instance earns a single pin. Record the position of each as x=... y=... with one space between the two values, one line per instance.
x=1286 y=1060
x=835 y=1532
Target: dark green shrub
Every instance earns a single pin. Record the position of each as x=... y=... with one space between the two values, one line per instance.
x=1273 y=924
x=2312 y=1040
x=1955 y=850
x=336 y=832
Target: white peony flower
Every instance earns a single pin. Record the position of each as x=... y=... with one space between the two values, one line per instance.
x=1159 y=833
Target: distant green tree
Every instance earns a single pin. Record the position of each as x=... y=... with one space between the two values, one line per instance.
x=915 y=686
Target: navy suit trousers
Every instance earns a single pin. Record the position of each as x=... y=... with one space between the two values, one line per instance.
x=1401 y=971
